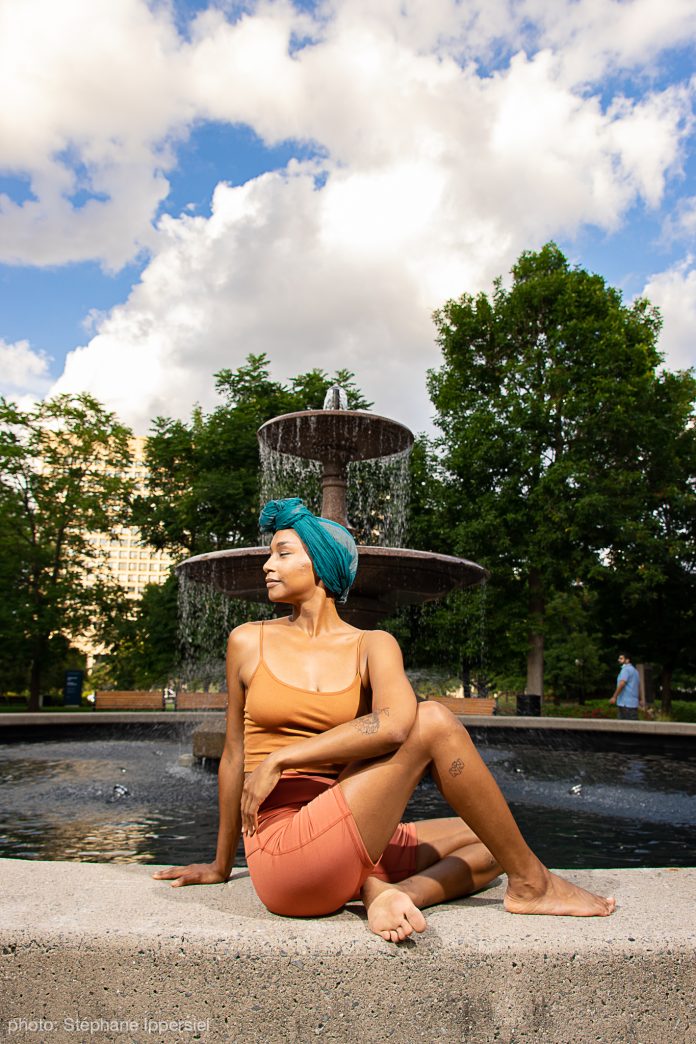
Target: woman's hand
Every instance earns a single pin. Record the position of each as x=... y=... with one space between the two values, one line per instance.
x=194 y=873
x=257 y=786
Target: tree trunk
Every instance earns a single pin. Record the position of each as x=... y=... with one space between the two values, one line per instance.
x=34 y=703
x=466 y=679
x=36 y=676
x=667 y=689
x=535 y=653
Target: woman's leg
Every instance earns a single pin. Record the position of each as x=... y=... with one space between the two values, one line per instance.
x=377 y=793
x=393 y=910
x=450 y=862
x=438 y=838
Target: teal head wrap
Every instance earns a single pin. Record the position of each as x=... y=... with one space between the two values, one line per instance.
x=329 y=545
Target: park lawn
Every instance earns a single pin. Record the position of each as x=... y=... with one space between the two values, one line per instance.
x=682 y=710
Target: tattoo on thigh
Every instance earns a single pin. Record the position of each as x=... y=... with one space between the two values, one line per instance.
x=369 y=724
x=456 y=767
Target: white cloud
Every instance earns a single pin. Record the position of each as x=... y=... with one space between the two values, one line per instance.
x=435 y=173
x=682 y=223
x=674 y=291
x=596 y=37
x=102 y=92
x=24 y=374
x=96 y=95
x=257 y=276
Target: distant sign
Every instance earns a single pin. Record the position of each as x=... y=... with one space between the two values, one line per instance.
x=72 y=688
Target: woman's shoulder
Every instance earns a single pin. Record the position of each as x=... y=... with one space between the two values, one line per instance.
x=380 y=641
x=244 y=634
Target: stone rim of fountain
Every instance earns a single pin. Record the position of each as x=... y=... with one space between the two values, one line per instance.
x=365 y=442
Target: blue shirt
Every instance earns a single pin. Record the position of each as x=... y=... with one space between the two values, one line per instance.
x=629 y=695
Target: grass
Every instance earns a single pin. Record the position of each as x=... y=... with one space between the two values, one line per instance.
x=682 y=710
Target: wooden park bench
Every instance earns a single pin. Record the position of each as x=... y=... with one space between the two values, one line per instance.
x=485 y=705
x=116 y=700
x=201 y=701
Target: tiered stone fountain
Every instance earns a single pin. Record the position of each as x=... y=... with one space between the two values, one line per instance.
x=388 y=577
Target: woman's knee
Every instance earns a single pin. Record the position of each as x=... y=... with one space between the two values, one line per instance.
x=433 y=721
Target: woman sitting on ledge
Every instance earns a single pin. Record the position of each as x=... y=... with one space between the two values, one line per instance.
x=324 y=746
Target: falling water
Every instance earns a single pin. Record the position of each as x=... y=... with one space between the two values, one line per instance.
x=285 y=475
x=206 y=617
x=377 y=496
x=378 y=499
x=482 y=681
x=336 y=398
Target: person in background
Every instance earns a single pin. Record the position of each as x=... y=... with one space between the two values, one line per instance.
x=627 y=695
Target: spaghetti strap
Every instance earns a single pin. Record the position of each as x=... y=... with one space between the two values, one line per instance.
x=357 y=664
x=261 y=643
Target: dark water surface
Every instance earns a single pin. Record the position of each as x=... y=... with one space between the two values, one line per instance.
x=141 y=800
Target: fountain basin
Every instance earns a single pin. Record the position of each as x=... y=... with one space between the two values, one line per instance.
x=594 y=794
x=335 y=435
x=388 y=578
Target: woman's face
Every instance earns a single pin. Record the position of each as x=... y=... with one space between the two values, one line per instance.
x=288 y=569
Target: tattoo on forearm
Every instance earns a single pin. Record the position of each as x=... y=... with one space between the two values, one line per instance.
x=370 y=723
x=456 y=767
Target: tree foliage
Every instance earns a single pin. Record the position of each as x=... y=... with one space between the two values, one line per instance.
x=565 y=448
x=204 y=475
x=203 y=492
x=61 y=466
x=143 y=643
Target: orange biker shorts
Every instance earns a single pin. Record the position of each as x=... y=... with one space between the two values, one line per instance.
x=307 y=857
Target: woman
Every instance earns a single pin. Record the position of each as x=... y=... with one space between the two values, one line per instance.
x=324 y=746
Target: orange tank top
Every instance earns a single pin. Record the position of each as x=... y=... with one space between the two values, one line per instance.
x=277 y=714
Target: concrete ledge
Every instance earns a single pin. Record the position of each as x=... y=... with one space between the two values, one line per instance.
x=60 y=718
x=501 y=721
x=209 y=736
x=106 y=942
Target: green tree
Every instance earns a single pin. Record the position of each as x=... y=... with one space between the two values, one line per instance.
x=204 y=481
x=142 y=643
x=61 y=467
x=651 y=576
x=548 y=399
x=452 y=633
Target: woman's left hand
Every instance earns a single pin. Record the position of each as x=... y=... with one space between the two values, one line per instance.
x=257 y=786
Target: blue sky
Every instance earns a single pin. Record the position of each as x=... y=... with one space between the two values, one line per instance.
x=69 y=293
x=183 y=183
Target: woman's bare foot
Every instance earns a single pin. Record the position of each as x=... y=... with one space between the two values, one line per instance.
x=390 y=912
x=557 y=897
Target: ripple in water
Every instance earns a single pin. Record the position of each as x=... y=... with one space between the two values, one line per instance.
x=576 y=809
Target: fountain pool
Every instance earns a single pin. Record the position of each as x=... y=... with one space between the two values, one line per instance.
x=140 y=798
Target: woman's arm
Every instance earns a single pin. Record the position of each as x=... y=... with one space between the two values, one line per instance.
x=381 y=731
x=230 y=780
x=231 y=768
x=384 y=729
